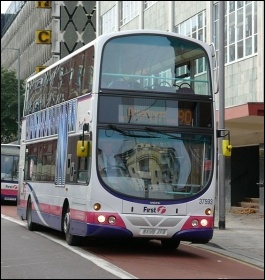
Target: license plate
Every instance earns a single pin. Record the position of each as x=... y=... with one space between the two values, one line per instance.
x=152 y=231
x=10 y=198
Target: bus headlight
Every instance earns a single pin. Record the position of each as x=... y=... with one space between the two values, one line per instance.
x=204 y=222
x=112 y=220
x=101 y=219
x=194 y=223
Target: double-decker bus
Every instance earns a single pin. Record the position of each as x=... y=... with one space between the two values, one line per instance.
x=9 y=171
x=144 y=99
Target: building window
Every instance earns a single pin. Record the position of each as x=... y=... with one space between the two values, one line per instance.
x=240 y=29
x=129 y=10
x=194 y=27
x=108 y=21
x=148 y=4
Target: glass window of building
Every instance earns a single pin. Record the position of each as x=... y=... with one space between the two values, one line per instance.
x=148 y=4
x=129 y=10
x=240 y=29
x=108 y=21
x=194 y=27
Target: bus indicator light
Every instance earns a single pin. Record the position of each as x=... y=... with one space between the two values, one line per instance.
x=97 y=206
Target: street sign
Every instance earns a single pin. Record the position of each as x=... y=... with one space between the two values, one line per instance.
x=43 y=36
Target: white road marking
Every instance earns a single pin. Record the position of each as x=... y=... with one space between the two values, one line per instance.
x=96 y=260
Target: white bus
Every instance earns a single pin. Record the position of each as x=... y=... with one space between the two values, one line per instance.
x=9 y=171
x=119 y=141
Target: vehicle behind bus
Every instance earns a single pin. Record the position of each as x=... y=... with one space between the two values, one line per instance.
x=9 y=171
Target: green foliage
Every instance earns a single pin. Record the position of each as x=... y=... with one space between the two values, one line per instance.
x=9 y=105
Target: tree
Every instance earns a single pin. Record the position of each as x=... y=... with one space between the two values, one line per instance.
x=9 y=105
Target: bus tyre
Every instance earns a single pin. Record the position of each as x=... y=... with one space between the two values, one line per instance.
x=72 y=240
x=170 y=244
x=31 y=226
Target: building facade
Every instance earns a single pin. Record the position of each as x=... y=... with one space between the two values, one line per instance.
x=71 y=25
x=75 y=23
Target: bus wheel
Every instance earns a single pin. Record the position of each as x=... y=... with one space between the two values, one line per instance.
x=72 y=240
x=170 y=244
x=31 y=226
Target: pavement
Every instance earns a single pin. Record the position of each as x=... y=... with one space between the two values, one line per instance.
x=241 y=238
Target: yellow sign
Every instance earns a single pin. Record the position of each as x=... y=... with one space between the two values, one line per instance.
x=43 y=4
x=43 y=36
x=40 y=68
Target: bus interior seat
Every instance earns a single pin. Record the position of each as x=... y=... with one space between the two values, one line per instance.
x=166 y=89
x=119 y=85
x=135 y=86
x=185 y=90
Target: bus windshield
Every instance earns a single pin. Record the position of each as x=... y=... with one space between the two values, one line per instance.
x=155 y=63
x=9 y=171
x=9 y=162
x=154 y=164
x=9 y=167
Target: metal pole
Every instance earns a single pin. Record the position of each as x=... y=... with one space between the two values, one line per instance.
x=221 y=172
x=18 y=97
x=18 y=92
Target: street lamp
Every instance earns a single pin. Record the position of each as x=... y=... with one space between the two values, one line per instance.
x=18 y=91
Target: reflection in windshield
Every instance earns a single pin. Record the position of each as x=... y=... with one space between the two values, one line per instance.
x=154 y=165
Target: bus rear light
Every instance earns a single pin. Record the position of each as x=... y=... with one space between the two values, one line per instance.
x=112 y=220
x=204 y=223
x=208 y=211
x=194 y=223
x=97 y=206
x=101 y=219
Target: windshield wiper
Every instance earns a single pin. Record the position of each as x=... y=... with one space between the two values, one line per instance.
x=113 y=127
x=188 y=138
x=163 y=133
x=131 y=134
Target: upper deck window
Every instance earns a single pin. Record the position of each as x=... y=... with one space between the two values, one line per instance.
x=154 y=63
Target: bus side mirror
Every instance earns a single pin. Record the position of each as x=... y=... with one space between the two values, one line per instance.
x=82 y=148
x=226 y=148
